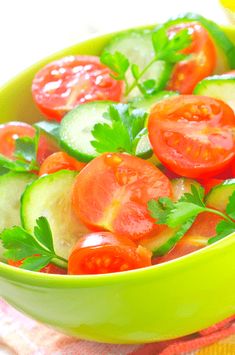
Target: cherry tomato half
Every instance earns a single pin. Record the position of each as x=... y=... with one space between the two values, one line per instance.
x=49 y=269
x=59 y=161
x=66 y=83
x=104 y=252
x=112 y=191
x=196 y=238
x=193 y=135
x=201 y=62
x=9 y=132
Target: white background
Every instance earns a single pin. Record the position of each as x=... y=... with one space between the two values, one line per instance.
x=33 y=29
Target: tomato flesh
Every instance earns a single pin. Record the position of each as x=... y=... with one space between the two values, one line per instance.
x=193 y=135
x=59 y=161
x=112 y=191
x=200 y=64
x=196 y=238
x=66 y=83
x=104 y=252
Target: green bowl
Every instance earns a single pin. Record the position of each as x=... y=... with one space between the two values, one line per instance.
x=152 y=304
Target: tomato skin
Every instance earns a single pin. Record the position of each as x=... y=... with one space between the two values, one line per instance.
x=9 y=132
x=49 y=269
x=193 y=135
x=112 y=191
x=66 y=83
x=104 y=252
x=201 y=64
x=196 y=238
x=59 y=161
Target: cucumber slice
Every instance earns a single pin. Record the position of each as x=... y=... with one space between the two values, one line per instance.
x=218 y=197
x=147 y=103
x=12 y=185
x=136 y=45
x=162 y=243
x=221 y=87
x=225 y=47
x=166 y=240
x=50 y=196
x=180 y=186
x=76 y=128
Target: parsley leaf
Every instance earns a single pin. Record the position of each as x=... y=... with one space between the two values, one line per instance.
x=180 y=213
x=230 y=208
x=42 y=232
x=36 y=263
x=196 y=196
x=36 y=251
x=223 y=229
x=120 y=132
x=169 y=48
x=159 y=210
x=118 y=62
x=171 y=213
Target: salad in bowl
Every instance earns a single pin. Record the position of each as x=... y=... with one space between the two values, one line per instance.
x=128 y=163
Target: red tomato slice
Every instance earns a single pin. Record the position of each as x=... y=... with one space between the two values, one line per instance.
x=9 y=132
x=104 y=252
x=49 y=269
x=112 y=192
x=59 y=161
x=196 y=238
x=66 y=83
x=193 y=135
x=201 y=63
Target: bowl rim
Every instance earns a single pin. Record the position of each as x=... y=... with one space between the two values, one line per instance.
x=158 y=270
x=30 y=277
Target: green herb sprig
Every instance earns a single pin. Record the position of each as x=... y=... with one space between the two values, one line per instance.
x=35 y=251
x=190 y=205
x=167 y=49
x=122 y=130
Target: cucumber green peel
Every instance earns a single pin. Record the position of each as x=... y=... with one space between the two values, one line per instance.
x=221 y=87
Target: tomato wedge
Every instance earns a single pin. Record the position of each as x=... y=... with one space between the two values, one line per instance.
x=201 y=62
x=196 y=238
x=193 y=135
x=49 y=269
x=59 y=161
x=9 y=132
x=112 y=191
x=104 y=252
x=66 y=83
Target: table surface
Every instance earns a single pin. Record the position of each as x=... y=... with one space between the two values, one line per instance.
x=31 y=30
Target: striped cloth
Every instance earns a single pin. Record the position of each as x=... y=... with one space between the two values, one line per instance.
x=24 y=336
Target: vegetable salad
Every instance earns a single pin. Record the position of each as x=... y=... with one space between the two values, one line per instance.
x=134 y=162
